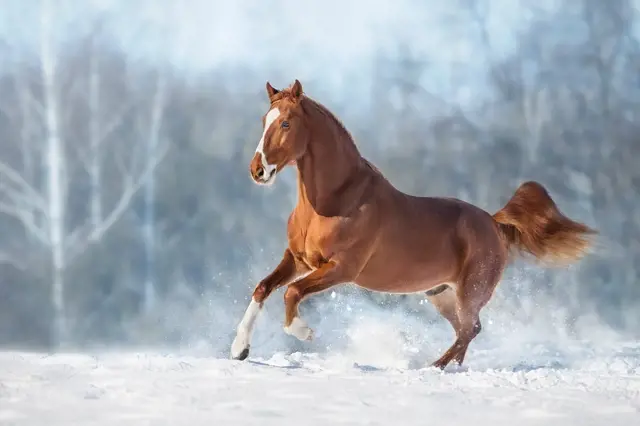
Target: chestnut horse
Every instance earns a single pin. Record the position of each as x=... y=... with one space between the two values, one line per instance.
x=350 y=224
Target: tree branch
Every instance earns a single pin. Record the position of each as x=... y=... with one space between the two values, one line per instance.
x=129 y=191
x=7 y=259
x=84 y=235
x=36 y=199
x=26 y=219
x=85 y=155
x=115 y=121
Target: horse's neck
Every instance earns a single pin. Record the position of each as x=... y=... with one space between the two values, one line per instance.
x=330 y=173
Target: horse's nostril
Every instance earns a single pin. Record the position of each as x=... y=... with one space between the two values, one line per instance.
x=260 y=172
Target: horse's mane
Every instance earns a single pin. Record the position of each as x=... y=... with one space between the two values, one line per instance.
x=331 y=116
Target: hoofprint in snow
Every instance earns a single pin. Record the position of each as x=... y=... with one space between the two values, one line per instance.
x=579 y=386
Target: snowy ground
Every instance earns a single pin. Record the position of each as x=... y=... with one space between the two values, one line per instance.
x=578 y=386
x=533 y=364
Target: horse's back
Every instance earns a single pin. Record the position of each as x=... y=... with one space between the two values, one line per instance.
x=470 y=228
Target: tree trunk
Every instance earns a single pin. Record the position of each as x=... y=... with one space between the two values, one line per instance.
x=149 y=205
x=55 y=179
x=94 y=165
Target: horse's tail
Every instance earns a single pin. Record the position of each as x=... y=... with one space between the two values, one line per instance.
x=531 y=223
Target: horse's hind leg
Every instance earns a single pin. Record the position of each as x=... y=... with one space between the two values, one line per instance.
x=465 y=329
x=445 y=301
x=469 y=296
x=459 y=358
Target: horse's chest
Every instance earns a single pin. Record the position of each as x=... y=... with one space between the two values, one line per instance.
x=311 y=239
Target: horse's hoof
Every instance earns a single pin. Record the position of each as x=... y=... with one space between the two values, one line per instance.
x=240 y=347
x=299 y=329
x=440 y=365
x=242 y=355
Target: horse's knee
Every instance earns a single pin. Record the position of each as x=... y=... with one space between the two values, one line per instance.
x=467 y=332
x=260 y=293
x=292 y=296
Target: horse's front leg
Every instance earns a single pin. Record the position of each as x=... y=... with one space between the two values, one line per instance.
x=328 y=275
x=287 y=270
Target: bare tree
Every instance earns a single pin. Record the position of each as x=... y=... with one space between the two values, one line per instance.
x=55 y=158
x=43 y=210
x=150 y=131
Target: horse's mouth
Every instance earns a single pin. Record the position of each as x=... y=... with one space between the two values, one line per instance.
x=269 y=179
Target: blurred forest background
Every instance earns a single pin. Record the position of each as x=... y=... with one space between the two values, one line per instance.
x=126 y=210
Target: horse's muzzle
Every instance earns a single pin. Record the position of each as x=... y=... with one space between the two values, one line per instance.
x=260 y=173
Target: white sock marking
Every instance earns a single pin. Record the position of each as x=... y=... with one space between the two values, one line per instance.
x=268 y=168
x=299 y=329
x=245 y=329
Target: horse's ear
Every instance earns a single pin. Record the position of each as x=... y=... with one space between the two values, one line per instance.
x=271 y=91
x=296 y=89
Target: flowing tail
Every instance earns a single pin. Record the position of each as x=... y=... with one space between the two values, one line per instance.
x=531 y=223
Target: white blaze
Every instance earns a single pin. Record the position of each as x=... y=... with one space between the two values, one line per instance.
x=269 y=119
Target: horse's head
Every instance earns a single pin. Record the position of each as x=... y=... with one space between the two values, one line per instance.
x=284 y=136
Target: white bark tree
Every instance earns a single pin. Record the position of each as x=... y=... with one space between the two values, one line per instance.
x=56 y=179
x=149 y=129
x=104 y=119
x=42 y=209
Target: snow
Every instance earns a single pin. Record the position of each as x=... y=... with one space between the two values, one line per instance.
x=577 y=385
x=533 y=364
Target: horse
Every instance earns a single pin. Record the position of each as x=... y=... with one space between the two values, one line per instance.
x=351 y=225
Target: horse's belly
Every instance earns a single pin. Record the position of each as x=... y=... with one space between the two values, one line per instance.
x=405 y=275
x=397 y=286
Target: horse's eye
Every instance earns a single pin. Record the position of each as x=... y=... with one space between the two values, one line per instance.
x=285 y=124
